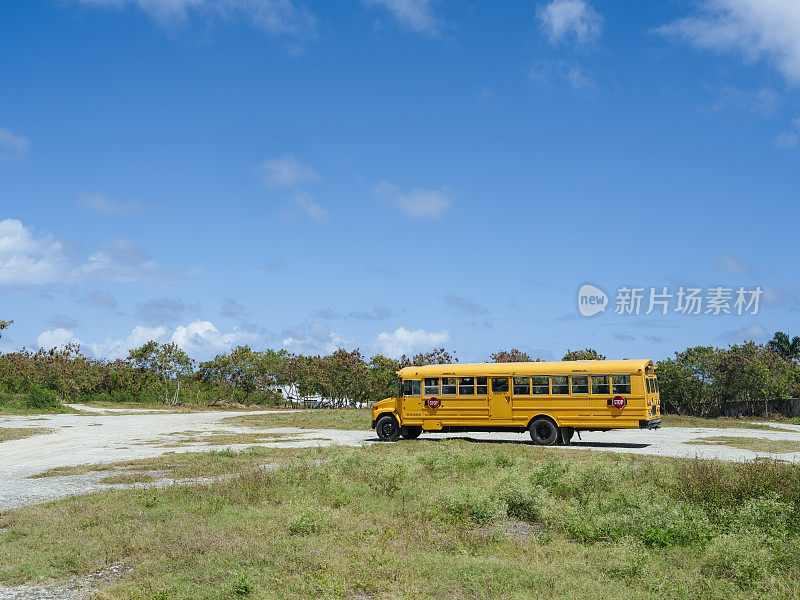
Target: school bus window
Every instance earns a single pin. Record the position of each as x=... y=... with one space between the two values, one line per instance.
x=466 y=386
x=522 y=386
x=621 y=384
x=655 y=384
x=500 y=385
x=448 y=386
x=649 y=384
x=560 y=384
x=481 y=388
x=541 y=385
x=412 y=388
x=600 y=384
x=580 y=384
x=431 y=386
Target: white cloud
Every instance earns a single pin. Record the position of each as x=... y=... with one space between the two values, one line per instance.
x=286 y=171
x=755 y=29
x=737 y=266
x=415 y=15
x=402 y=341
x=111 y=348
x=103 y=204
x=309 y=207
x=55 y=338
x=278 y=17
x=754 y=332
x=764 y=101
x=555 y=71
x=122 y=260
x=12 y=145
x=789 y=139
x=26 y=259
x=570 y=19
x=315 y=337
x=201 y=338
x=198 y=338
x=417 y=203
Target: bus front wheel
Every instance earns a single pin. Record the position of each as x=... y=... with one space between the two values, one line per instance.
x=387 y=429
x=411 y=432
x=543 y=432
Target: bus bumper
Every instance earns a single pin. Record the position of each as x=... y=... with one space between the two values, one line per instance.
x=651 y=424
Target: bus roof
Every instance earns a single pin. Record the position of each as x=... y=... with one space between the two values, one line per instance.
x=599 y=367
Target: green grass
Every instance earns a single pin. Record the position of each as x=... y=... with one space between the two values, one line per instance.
x=319 y=418
x=427 y=519
x=20 y=404
x=18 y=433
x=182 y=408
x=754 y=444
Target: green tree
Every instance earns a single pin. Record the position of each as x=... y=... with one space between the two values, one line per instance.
x=437 y=356
x=687 y=380
x=586 y=354
x=167 y=363
x=788 y=348
x=383 y=380
x=513 y=355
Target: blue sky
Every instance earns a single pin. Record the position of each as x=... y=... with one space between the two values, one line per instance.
x=395 y=175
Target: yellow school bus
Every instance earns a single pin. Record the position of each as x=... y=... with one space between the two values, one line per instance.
x=551 y=400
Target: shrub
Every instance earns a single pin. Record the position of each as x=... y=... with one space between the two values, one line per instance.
x=306 y=524
x=242 y=586
x=41 y=399
x=469 y=504
x=114 y=396
x=766 y=514
x=744 y=559
x=524 y=500
x=627 y=561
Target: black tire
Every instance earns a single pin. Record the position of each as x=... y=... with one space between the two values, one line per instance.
x=543 y=432
x=411 y=432
x=565 y=435
x=387 y=429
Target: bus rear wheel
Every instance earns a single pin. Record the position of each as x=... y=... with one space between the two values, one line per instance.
x=543 y=432
x=387 y=429
x=410 y=432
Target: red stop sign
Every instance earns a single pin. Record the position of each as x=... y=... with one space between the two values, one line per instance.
x=433 y=402
x=618 y=402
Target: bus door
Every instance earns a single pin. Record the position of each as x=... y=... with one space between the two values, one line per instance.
x=499 y=399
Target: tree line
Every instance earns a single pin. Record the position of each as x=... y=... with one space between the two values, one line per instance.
x=699 y=380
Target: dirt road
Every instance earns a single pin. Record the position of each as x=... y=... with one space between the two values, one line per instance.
x=112 y=435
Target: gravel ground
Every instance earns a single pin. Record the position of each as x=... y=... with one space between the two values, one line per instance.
x=112 y=435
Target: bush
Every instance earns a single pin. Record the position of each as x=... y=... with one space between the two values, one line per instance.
x=523 y=499
x=306 y=524
x=468 y=504
x=766 y=514
x=115 y=396
x=744 y=559
x=41 y=399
